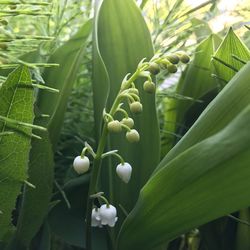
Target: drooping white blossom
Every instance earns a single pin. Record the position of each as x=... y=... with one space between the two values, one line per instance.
x=81 y=164
x=108 y=215
x=124 y=171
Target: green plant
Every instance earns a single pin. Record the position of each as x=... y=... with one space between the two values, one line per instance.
x=89 y=130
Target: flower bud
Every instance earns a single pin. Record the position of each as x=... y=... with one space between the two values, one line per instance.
x=108 y=215
x=128 y=122
x=135 y=107
x=81 y=164
x=134 y=91
x=124 y=171
x=114 y=126
x=174 y=59
x=149 y=87
x=184 y=58
x=172 y=68
x=154 y=68
x=132 y=136
x=95 y=218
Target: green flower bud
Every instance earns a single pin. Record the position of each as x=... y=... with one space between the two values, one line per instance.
x=154 y=68
x=128 y=122
x=134 y=91
x=172 y=68
x=174 y=59
x=149 y=87
x=184 y=58
x=135 y=107
x=132 y=136
x=114 y=126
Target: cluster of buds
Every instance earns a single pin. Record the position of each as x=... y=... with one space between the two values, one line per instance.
x=130 y=93
x=106 y=214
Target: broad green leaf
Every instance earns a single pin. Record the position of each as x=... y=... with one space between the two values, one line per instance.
x=195 y=82
x=35 y=201
x=16 y=102
x=100 y=83
x=123 y=41
x=230 y=101
x=69 y=56
x=182 y=195
x=231 y=46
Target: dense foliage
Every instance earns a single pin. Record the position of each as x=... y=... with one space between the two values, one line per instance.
x=123 y=125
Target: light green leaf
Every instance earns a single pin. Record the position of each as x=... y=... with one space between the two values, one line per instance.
x=202 y=29
x=16 y=103
x=231 y=46
x=69 y=56
x=123 y=41
x=195 y=82
x=182 y=195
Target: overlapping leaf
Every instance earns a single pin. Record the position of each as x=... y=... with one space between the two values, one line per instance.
x=183 y=194
x=195 y=82
x=222 y=152
x=69 y=56
x=35 y=201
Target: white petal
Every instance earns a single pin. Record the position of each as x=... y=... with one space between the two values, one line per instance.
x=81 y=165
x=108 y=215
x=124 y=171
x=95 y=218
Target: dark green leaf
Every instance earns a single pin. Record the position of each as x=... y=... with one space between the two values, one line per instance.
x=35 y=202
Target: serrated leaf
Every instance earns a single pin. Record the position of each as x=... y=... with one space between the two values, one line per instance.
x=194 y=181
x=69 y=56
x=16 y=102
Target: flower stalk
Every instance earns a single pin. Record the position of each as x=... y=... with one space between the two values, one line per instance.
x=129 y=92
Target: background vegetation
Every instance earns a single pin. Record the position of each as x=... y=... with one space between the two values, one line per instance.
x=192 y=175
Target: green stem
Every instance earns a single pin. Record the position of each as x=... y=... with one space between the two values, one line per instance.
x=95 y=174
x=98 y=159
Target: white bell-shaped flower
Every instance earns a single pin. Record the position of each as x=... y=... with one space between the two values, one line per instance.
x=81 y=164
x=124 y=171
x=95 y=218
x=108 y=215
